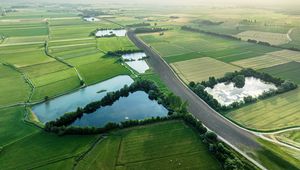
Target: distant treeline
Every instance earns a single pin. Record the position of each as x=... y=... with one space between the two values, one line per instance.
x=149 y=30
x=143 y=24
x=91 y=13
x=199 y=88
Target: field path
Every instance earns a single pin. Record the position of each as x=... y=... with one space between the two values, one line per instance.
x=233 y=135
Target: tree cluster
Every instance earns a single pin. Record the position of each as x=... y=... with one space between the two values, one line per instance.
x=238 y=77
x=143 y=24
x=121 y=52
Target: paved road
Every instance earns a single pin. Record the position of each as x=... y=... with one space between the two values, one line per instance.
x=224 y=128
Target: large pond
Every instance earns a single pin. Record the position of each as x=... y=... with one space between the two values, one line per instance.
x=137 y=106
x=136 y=61
x=91 y=19
x=55 y=108
x=118 y=33
x=227 y=94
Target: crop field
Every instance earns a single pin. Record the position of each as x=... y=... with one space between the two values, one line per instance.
x=288 y=71
x=9 y=77
x=201 y=69
x=92 y=64
x=281 y=111
x=16 y=29
x=291 y=137
x=75 y=28
x=178 y=45
x=269 y=60
x=115 y=43
x=272 y=38
x=169 y=145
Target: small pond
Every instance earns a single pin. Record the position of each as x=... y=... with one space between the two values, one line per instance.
x=227 y=94
x=137 y=106
x=118 y=33
x=48 y=111
x=91 y=19
x=137 y=63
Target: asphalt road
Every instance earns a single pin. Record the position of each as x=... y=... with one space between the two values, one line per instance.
x=233 y=134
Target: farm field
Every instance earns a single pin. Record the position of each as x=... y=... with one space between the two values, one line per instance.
x=269 y=60
x=288 y=71
x=178 y=45
x=165 y=145
x=272 y=38
x=8 y=77
x=278 y=112
x=115 y=43
x=290 y=137
x=23 y=29
x=201 y=69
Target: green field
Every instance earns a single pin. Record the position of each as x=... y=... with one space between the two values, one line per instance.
x=11 y=81
x=26 y=29
x=169 y=145
x=281 y=111
x=290 y=137
x=289 y=71
x=115 y=43
x=178 y=45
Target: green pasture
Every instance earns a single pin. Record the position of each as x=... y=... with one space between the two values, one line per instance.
x=20 y=30
x=13 y=87
x=169 y=145
x=115 y=43
x=288 y=71
x=12 y=126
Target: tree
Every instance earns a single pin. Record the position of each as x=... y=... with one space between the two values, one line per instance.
x=239 y=81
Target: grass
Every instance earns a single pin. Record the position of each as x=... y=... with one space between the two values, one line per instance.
x=290 y=137
x=152 y=76
x=42 y=149
x=201 y=69
x=115 y=43
x=24 y=30
x=169 y=145
x=276 y=158
x=13 y=87
x=12 y=126
x=277 y=112
x=288 y=71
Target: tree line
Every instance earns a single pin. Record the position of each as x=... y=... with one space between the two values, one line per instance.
x=238 y=78
x=149 y=30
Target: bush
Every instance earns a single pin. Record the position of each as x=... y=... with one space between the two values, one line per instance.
x=239 y=81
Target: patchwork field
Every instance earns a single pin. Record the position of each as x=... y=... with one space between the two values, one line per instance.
x=201 y=69
x=269 y=60
x=178 y=45
x=169 y=145
x=281 y=111
x=272 y=38
x=290 y=137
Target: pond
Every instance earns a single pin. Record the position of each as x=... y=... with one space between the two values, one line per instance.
x=48 y=111
x=136 y=61
x=118 y=33
x=227 y=94
x=91 y=19
x=137 y=106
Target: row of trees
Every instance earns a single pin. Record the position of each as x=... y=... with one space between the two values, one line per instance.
x=171 y=102
x=143 y=24
x=238 y=78
x=149 y=30
x=121 y=52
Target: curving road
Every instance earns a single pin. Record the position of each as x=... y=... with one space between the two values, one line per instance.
x=233 y=134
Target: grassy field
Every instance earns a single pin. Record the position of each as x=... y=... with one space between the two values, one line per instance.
x=23 y=29
x=9 y=77
x=272 y=38
x=115 y=43
x=201 y=69
x=288 y=71
x=269 y=60
x=178 y=45
x=169 y=145
x=281 y=111
x=290 y=137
